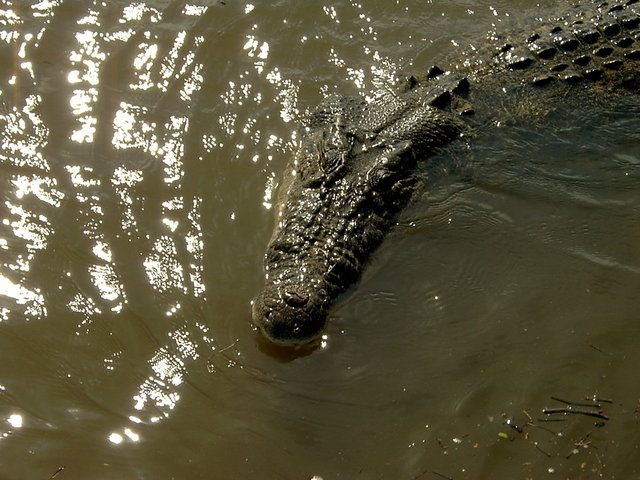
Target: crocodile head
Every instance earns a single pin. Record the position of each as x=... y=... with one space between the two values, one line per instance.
x=335 y=203
x=340 y=194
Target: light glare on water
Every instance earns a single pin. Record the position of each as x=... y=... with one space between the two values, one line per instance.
x=141 y=150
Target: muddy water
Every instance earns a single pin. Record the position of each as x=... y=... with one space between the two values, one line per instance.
x=142 y=144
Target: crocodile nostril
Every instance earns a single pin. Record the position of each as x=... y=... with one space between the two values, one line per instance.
x=295 y=299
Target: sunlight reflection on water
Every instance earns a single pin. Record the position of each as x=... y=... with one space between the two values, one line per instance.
x=141 y=147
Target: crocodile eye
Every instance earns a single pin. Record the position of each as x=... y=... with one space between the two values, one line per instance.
x=378 y=176
x=312 y=182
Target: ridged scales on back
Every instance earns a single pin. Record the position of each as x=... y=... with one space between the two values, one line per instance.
x=353 y=170
x=590 y=42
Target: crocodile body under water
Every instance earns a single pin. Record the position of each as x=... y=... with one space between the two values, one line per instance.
x=354 y=168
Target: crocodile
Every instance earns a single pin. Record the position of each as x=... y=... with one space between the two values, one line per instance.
x=354 y=168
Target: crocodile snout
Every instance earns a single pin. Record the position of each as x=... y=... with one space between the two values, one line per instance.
x=295 y=298
x=289 y=315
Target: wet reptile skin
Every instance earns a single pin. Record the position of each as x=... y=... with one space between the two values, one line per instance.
x=353 y=169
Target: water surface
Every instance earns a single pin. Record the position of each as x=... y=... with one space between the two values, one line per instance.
x=142 y=144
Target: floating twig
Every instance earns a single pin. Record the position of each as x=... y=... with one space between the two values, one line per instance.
x=581 y=442
x=227 y=347
x=577 y=404
x=535 y=444
x=599 y=349
x=59 y=470
x=573 y=452
x=576 y=411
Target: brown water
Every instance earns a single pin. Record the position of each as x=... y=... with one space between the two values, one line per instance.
x=141 y=146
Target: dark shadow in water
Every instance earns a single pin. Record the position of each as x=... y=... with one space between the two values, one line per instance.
x=284 y=353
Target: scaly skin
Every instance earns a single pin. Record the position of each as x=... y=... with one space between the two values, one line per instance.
x=354 y=169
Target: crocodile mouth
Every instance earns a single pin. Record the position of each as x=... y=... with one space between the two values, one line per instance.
x=290 y=315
